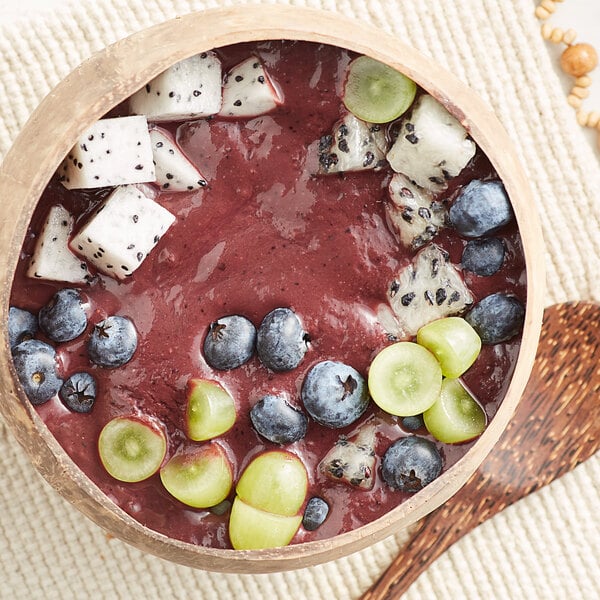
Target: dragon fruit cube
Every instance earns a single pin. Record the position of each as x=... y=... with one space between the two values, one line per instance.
x=122 y=231
x=111 y=152
x=189 y=89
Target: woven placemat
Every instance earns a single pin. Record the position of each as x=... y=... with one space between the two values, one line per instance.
x=546 y=546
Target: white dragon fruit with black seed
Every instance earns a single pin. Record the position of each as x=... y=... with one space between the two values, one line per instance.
x=352 y=461
x=353 y=145
x=174 y=171
x=432 y=147
x=429 y=288
x=249 y=91
x=189 y=89
x=52 y=259
x=111 y=152
x=122 y=231
x=413 y=212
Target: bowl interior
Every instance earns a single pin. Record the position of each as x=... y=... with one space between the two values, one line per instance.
x=111 y=76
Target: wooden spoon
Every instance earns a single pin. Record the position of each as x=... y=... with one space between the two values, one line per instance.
x=555 y=428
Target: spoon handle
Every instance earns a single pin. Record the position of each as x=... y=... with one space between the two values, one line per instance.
x=556 y=426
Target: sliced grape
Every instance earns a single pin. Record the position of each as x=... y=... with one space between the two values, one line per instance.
x=131 y=448
x=405 y=379
x=210 y=410
x=254 y=529
x=199 y=476
x=456 y=416
x=375 y=92
x=454 y=343
x=275 y=481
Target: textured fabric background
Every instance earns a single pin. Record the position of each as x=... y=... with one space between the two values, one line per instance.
x=546 y=546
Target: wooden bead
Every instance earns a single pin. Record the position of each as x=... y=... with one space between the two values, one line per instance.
x=547 y=30
x=582 y=117
x=574 y=101
x=580 y=92
x=569 y=37
x=579 y=59
x=541 y=13
x=557 y=35
x=548 y=5
x=593 y=119
x=584 y=81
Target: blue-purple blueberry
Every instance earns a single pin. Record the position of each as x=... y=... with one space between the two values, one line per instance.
x=230 y=342
x=78 y=392
x=112 y=342
x=497 y=317
x=64 y=317
x=483 y=256
x=278 y=421
x=411 y=463
x=22 y=325
x=315 y=513
x=334 y=394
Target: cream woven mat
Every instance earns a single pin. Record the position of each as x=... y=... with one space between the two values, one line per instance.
x=546 y=546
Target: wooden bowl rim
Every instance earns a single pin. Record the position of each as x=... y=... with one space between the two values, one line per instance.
x=110 y=76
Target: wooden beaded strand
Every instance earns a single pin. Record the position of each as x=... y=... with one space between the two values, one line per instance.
x=577 y=60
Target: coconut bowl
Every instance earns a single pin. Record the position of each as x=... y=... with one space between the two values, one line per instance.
x=108 y=78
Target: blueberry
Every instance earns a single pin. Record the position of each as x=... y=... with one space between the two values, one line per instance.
x=229 y=342
x=112 y=342
x=315 y=513
x=497 y=318
x=334 y=394
x=22 y=325
x=63 y=318
x=411 y=463
x=413 y=423
x=481 y=208
x=483 y=256
x=78 y=392
x=281 y=341
x=277 y=421
x=35 y=365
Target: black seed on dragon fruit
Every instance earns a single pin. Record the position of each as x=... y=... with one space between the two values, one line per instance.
x=429 y=288
x=432 y=146
x=189 y=89
x=109 y=245
x=413 y=212
x=174 y=171
x=353 y=146
x=249 y=91
x=52 y=259
x=111 y=152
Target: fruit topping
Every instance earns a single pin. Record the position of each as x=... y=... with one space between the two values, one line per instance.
x=453 y=342
x=413 y=212
x=249 y=91
x=432 y=146
x=274 y=481
x=334 y=394
x=52 y=259
x=375 y=92
x=174 y=170
x=111 y=152
x=456 y=416
x=122 y=231
x=78 y=392
x=405 y=379
x=481 y=208
x=199 y=476
x=112 y=342
x=483 y=256
x=278 y=421
x=315 y=513
x=210 y=410
x=22 y=326
x=497 y=317
x=229 y=343
x=35 y=365
x=352 y=461
x=353 y=145
x=411 y=463
x=64 y=317
x=281 y=342
x=429 y=288
x=132 y=448
x=189 y=89
x=251 y=528
x=413 y=423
